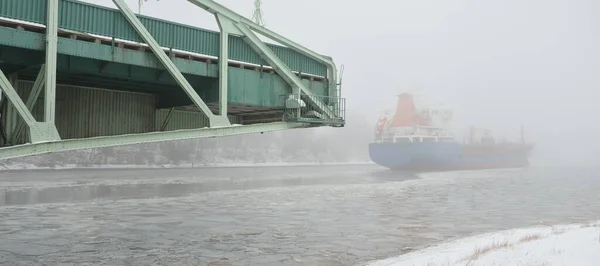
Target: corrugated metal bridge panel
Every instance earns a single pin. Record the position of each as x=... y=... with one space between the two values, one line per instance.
x=247 y=87
x=257 y=89
x=115 y=113
x=89 y=112
x=89 y=18
x=32 y=40
x=83 y=112
x=185 y=120
x=27 y=10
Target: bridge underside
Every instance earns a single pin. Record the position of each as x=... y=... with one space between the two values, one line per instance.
x=67 y=87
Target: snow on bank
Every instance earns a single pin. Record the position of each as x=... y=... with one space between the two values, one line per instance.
x=13 y=167
x=576 y=244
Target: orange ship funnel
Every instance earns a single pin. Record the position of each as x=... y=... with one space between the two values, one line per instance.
x=406 y=113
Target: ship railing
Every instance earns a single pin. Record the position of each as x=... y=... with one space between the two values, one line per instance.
x=412 y=138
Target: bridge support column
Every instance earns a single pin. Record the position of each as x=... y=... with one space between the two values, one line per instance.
x=226 y=28
x=51 y=54
x=214 y=120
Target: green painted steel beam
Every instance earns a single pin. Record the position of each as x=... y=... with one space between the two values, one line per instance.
x=32 y=99
x=223 y=74
x=81 y=50
x=14 y=98
x=51 y=54
x=35 y=41
x=246 y=87
x=118 y=140
x=225 y=28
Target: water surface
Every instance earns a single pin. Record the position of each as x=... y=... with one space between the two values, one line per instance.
x=326 y=215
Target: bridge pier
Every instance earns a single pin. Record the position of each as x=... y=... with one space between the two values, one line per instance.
x=107 y=90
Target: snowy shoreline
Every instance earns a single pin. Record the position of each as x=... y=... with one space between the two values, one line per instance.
x=573 y=244
x=23 y=167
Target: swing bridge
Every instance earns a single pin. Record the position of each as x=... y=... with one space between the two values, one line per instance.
x=75 y=75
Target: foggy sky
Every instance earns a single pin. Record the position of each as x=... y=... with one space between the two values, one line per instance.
x=500 y=64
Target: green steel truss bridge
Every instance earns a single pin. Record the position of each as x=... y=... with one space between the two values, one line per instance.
x=75 y=75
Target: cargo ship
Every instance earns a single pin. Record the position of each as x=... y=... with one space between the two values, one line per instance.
x=420 y=140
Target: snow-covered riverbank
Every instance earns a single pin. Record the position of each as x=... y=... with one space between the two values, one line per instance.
x=576 y=244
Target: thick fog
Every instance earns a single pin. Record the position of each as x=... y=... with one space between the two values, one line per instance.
x=499 y=64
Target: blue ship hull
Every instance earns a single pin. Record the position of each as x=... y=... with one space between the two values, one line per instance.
x=444 y=156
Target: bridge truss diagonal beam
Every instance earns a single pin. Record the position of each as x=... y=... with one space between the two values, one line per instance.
x=38 y=131
x=34 y=94
x=15 y=99
x=245 y=27
x=282 y=69
x=170 y=66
